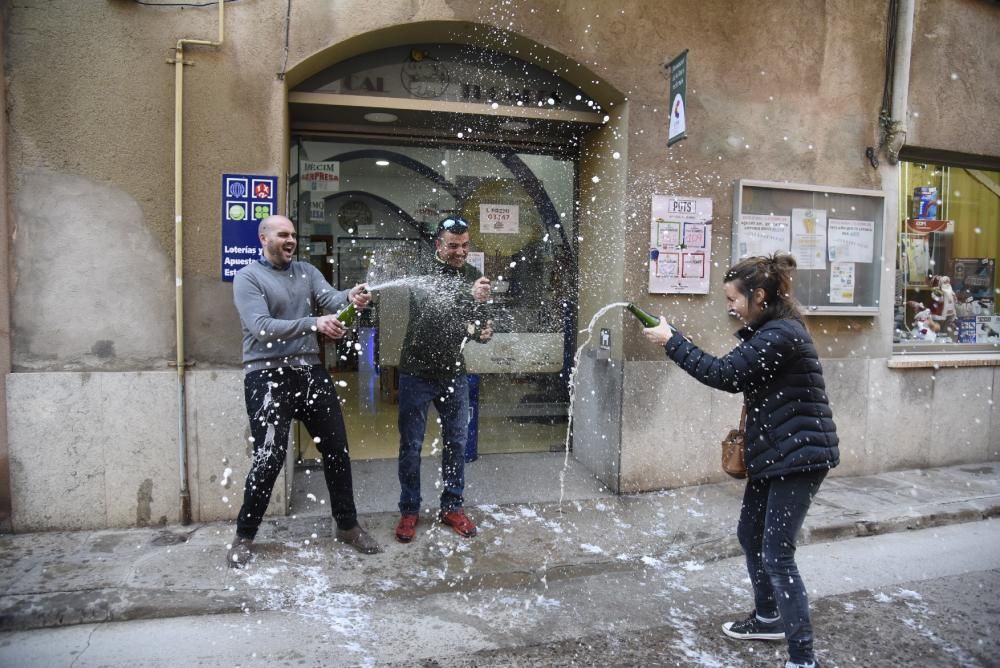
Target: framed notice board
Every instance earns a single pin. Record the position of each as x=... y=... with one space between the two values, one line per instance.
x=835 y=234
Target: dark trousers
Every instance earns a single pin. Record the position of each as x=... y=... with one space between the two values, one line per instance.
x=274 y=397
x=772 y=514
x=451 y=399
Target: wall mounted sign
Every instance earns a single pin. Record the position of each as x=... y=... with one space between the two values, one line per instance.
x=451 y=73
x=246 y=200
x=680 y=245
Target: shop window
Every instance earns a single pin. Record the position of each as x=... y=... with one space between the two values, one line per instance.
x=946 y=262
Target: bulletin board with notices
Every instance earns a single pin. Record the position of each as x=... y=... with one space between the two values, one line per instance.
x=835 y=234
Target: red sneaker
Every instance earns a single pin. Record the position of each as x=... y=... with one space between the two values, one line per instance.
x=459 y=521
x=406 y=530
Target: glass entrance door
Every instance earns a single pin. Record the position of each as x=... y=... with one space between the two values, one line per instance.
x=366 y=211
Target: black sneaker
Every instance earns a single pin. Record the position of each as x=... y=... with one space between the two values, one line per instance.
x=240 y=552
x=752 y=628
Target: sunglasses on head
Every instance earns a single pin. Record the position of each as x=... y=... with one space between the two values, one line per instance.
x=452 y=224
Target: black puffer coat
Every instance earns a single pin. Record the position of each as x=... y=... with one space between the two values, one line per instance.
x=789 y=422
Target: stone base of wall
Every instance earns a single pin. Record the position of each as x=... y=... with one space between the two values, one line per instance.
x=92 y=450
x=887 y=419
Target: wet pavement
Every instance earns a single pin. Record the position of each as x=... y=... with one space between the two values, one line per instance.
x=64 y=578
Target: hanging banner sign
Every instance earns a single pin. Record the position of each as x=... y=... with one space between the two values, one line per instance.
x=678 y=98
x=246 y=200
x=680 y=245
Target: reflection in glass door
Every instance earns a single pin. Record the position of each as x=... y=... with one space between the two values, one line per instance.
x=358 y=204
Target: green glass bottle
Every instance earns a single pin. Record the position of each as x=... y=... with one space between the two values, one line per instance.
x=348 y=315
x=646 y=319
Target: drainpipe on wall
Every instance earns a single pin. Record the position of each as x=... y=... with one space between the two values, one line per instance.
x=896 y=135
x=179 y=63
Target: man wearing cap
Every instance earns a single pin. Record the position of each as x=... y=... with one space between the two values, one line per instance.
x=446 y=311
x=275 y=297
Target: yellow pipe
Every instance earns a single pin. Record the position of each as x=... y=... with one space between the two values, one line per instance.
x=185 y=493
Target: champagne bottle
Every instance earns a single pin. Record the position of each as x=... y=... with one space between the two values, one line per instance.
x=349 y=314
x=646 y=319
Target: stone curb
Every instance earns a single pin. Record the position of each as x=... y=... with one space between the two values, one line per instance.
x=87 y=606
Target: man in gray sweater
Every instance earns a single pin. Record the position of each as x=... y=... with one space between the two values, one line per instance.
x=275 y=297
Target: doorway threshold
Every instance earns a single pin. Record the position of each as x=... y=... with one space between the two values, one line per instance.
x=497 y=479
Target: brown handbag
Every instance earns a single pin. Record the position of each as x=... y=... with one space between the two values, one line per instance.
x=732 y=449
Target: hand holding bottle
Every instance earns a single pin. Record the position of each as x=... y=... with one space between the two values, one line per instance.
x=359 y=295
x=331 y=326
x=659 y=334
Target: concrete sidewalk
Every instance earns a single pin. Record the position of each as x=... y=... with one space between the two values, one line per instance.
x=65 y=578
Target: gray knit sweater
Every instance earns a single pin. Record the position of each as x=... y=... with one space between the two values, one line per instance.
x=276 y=309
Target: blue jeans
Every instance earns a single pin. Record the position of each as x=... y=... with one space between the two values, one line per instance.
x=772 y=514
x=451 y=399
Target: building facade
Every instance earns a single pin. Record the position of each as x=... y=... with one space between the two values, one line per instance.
x=142 y=141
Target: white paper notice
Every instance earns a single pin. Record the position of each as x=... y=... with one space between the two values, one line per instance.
x=499 y=218
x=762 y=235
x=809 y=238
x=693 y=265
x=669 y=234
x=321 y=177
x=852 y=240
x=694 y=235
x=317 y=210
x=668 y=265
x=841 y=282
x=478 y=260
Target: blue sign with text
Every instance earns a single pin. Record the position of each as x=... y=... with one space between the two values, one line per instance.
x=246 y=200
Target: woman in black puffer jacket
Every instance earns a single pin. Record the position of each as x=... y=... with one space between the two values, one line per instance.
x=791 y=440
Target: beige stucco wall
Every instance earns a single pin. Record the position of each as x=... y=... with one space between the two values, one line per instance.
x=955 y=77
x=107 y=96
x=777 y=91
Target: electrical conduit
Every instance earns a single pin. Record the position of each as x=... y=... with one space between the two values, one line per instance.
x=179 y=63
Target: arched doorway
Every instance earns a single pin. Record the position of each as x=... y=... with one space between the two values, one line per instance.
x=385 y=143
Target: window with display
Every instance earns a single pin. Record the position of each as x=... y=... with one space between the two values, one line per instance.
x=946 y=261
